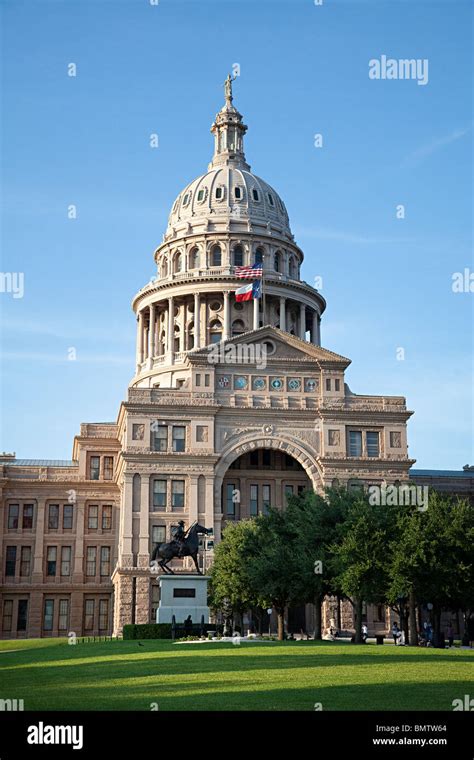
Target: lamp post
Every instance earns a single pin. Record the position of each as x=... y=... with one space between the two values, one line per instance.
x=269 y=611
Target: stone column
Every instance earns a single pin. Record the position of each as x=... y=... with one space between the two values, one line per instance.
x=170 y=335
x=144 y=543
x=182 y=327
x=78 y=568
x=38 y=557
x=315 y=335
x=282 y=313
x=192 y=505
x=302 y=321
x=226 y=335
x=152 y=332
x=140 y=329
x=256 y=304
x=197 y=321
x=126 y=530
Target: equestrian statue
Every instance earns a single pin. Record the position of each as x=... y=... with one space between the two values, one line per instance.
x=185 y=543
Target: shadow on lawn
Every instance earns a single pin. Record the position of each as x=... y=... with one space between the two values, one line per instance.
x=404 y=695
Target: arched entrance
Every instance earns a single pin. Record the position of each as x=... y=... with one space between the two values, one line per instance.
x=259 y=479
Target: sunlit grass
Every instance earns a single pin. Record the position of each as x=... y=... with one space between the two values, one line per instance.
x=50 y=674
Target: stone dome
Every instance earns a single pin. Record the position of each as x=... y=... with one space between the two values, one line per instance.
x=229 y=190
x=233 y=191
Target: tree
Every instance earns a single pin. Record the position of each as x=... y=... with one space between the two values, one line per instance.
x=229 y=582
x=359 y=556
x=315 y=519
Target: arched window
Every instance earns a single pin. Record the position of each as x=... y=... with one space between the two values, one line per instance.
x=178 y=262
x=194 y=258
x=215 y=330
x=190 y=336
x=164 y=268
x=238 y=256
x=292 y=268
x=238 y=327
x=162 y=346
x=216 y=256
x=277 y=262
x=259 y=256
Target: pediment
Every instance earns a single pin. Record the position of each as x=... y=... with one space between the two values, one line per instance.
x=280 y=346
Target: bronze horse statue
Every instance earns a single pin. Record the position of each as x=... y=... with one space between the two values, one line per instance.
x=188 y=548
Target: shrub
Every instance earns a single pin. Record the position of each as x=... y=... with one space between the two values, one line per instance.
x=147 y=631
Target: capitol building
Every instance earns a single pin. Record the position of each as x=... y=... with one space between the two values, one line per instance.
x=270 y=417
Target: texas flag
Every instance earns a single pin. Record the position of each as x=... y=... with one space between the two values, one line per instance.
x=248 y=292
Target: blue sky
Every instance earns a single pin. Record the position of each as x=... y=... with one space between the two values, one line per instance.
x=145 y=69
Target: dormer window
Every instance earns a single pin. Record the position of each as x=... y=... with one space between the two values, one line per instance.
x=186 y=199
x=238 y=193
x=270 y=199
x=201 y=195
x=255 y=195
x=219 y=193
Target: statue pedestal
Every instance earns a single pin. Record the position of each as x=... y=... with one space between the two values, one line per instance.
x=182 y=595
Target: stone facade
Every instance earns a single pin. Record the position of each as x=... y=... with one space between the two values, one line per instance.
x=233 y=406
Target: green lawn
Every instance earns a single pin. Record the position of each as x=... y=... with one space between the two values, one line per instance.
x=49 y=674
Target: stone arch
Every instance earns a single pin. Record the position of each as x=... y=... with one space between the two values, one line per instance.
x=297 y=449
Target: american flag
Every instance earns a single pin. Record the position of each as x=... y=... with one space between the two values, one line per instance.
x=249 y=273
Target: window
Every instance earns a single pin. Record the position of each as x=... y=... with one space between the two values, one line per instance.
x=238 y=256
x=160 y=438
x=177 y=494
x=66 y=552
x=104 y=561
x=10 y=561
x=186 y=199
x=207 y=381
x=178 y=263
x=13 y=512
x=229 y=499
x=200 y=195
x=68 y=511
x=289 y=462
x=91 y=561
x=355 y=443
x=301 y=490
x=238 y=193
x=265 y=499
x=289 y=490
x=179 y=438
x=53 y=517
x=219 y=193
x=22 y=616
x=158 y=536
x=107 y=518
x=108 y=468
x=255 y=194
x=88 y=614
x=7 y=615
x=328 y=384
x=63 y=618
x=372 y=440
x=194 y=255
x=253 y=503
x=27 y=523
x=292 y=268
x=48 y=614
x=254 y=458
x=159 y=495
x=216 y=256
x=259 y=256
x=266 y=458
x=270 y=199
x=276 y=262
x=337 y=385
x=103 y=614
x=25 y=560
x=93 y=517
x=94 y=468
x=51 y=558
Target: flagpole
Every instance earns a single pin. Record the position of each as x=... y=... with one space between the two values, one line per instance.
x=263 y=290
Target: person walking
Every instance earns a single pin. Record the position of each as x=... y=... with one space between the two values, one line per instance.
x=450 y=635
x=395 y=633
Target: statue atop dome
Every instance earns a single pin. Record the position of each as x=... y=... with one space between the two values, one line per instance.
x=228 y=88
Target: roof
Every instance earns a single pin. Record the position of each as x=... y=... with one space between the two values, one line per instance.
x=42 y=463
x=442 y=473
